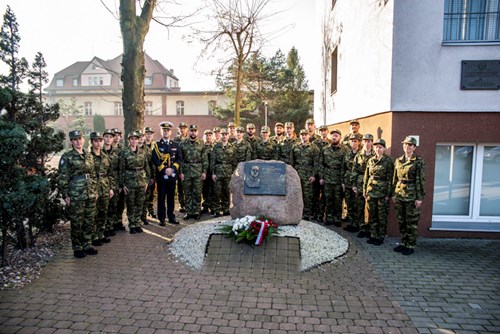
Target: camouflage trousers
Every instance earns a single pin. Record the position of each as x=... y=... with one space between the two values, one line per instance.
x=208 y=193
x=112 y=209
x=101 y=222
x=350 y=201
x=408 y=217
x=135 y=202
x=180 y=194
x=221 y=200
x=149 y=199
x=378 y=210
x=359 y=213
x=318 y=199
x=193 y=186
x=333 y=197
x=307 y=195
x=82 y=217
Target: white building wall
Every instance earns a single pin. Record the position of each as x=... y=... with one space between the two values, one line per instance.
x=363 y=32
x=426 y=74
x=196 y=104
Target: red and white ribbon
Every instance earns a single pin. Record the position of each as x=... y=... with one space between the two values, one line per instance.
x=263 y=227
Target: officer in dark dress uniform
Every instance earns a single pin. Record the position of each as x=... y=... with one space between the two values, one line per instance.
x=167 y=158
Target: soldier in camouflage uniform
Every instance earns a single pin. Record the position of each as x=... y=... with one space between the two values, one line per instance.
x=183 y=135
x=113 y=155
x=193 y=172
x=377 y=190
x=409 y=184
x=222 y=163
x=354 y=129
x=208 y=192
x=105 y=177
x=311 y=127
x=284 y=149
x=279 y=133
x=304 y=159
x=134 y=174
x=349 y=194
x=358 y=174
x=150 y=191
x=78 y=188
x=265 y=148
x=242 y=147
x=216 y=133
x=319 y=203
x=330 y=173
x=252 y=138
x=231 y=128
x=120 y=196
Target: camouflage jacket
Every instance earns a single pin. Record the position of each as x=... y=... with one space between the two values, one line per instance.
x=76 y=176
x=265 y=150
x=208 y=153
x=134 y=168
x=314 y=138
x=378 y=177
x=359 y=167
x=330 y=163
x=409 y=178
x=284 y=150
x=345 y=139
x=305 y=159
x=243 y=151
x=114 y=159
x=277 y=140
x=223 y=160
x=195 y=160
x=253 y=144
x=149 y=153
x=347 y=167
x=104 y=173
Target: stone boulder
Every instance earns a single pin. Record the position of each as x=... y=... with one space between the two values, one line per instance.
x=284 y=210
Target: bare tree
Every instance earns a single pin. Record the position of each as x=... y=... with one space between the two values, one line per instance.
x=237 y=33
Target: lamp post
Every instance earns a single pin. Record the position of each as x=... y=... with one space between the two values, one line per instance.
x=265 y=113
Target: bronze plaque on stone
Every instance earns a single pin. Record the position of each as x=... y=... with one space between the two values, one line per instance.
x=265 y=178
x=480 y=74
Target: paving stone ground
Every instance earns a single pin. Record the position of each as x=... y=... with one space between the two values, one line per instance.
x=134 y=285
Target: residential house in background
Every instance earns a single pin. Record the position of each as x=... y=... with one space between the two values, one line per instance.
x=430 y=69
x=96 y=85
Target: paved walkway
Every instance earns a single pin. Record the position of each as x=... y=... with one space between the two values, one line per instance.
x=135 y=285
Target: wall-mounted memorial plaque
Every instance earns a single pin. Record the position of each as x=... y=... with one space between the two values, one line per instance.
x=480 y=74
x=265 y=178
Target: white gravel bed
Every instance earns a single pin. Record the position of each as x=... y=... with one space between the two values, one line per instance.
x=318 y=244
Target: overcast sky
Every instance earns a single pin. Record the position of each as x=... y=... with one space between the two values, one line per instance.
x=66 y=31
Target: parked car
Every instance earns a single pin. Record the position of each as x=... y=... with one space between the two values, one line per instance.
x=492 y=154
x=464 y=152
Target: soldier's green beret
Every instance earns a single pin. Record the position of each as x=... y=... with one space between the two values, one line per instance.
x=75 y=134
x=265 y=129
x=95 y=135
x=183 y=125
x=216 y=129
x=108 y=132
x=310 y=121
x=304 y=132
x=148 y=129
x=207 y=131
x=323 y=127
x=231 y=125
x=380 y=142
x=279 y=124
x=353 y=137
x=223 y=130
x=166 y=125
x=134 y=134
x=193 y=127
x=410 y=140
x=368 y=137
x=240 y=129
x=117 y=131
x=354 y=121
x=250 y=126
x=336 y=131
x=289 y=125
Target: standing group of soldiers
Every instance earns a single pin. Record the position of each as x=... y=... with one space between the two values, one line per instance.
x=338 y=175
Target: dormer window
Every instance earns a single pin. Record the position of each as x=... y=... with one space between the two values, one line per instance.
x=148 y=81
x=59 y=82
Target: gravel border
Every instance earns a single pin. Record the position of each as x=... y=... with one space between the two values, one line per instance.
x=318 y=245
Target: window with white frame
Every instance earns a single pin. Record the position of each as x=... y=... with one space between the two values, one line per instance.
x=468 y=21
x=148 y=81
x=75 y=82
x=118 y=108
x=211 y=106
x=148 y=107
x=88 y=108
x=179 y=107
x=59 y=82
x=467 y=187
